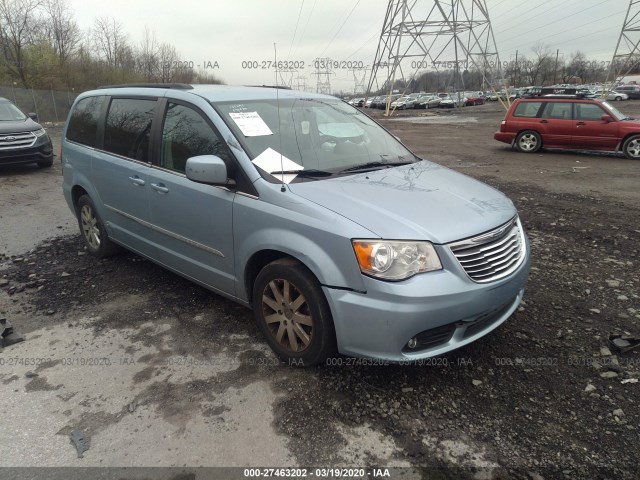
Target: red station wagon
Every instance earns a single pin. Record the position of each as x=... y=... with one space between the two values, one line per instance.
x=571 y=123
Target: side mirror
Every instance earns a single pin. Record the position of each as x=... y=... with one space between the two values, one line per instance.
x=33 y=116
x=606 y=118
x=208 y=169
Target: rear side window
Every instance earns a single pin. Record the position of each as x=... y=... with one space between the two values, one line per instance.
x=527 y=109
x=83 y=123
x=128 y=128
x=558 y=110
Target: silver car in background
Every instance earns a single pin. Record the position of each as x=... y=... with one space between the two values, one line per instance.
x=301 y=207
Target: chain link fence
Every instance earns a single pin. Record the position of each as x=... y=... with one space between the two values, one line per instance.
x=49 y=105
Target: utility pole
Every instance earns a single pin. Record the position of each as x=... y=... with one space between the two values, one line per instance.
x=515 y=70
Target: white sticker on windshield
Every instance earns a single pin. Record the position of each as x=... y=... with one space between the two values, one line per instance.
x=251 y=124
x=274 y=163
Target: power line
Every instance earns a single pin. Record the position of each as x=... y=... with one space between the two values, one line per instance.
x=573 y=29
x=296 y=29
x=304 y=30
x=336 y=34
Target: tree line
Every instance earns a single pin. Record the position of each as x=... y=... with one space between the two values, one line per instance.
x=542 y=66
x=42 y=46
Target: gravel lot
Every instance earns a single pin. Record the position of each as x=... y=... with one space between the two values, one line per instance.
x=157 y=371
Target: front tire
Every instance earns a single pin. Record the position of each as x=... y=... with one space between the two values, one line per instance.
x=528 y=141
x=92 y=229
x=618 y=99
x=631 y=147
x=292 y=312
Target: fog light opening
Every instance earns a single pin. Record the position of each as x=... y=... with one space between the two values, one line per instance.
x=413 y=343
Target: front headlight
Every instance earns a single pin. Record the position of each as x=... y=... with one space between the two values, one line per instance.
x=395 y=260
x=40 y=132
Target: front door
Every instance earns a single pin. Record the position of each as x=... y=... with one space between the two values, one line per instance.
x=590 y=132
x=193 y=221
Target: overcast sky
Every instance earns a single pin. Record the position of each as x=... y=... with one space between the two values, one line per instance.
x=232 y=32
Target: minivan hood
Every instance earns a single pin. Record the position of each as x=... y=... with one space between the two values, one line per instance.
x=420 y=201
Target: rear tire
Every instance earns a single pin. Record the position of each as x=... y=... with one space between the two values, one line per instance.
x=618 y=99
x=528 y=141
x=293 y=314
x=92 y=229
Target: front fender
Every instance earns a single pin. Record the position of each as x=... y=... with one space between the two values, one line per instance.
x=310 y=236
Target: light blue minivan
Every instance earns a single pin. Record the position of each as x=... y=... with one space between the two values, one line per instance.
x=301 y=207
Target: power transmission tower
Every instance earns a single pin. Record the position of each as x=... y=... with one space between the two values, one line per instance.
x=301 y=83
x=359 y=77
x=450 y=35
x=627 y=53
x=323 y=75
x=284 y=77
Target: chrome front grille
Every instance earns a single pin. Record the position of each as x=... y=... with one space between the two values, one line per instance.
x=492 y=255
x=17 y=140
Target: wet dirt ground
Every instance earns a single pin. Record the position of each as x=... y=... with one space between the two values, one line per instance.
x=157 y=371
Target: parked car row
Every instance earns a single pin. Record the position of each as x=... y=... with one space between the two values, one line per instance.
x=421 y=100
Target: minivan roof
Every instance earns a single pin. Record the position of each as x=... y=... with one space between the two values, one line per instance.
x=215 y=93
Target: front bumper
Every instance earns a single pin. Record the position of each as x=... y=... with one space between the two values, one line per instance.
x=40 y=152
x=444 y=310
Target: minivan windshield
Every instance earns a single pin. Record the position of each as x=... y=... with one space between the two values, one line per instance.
x=10 y=113
x=322 y=135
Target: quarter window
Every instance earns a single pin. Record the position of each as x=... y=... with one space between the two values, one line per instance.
x=588 y=111
x=128 y=128
x=527 y=109
x=83 y=123
x=557 y=110
x=187 y=134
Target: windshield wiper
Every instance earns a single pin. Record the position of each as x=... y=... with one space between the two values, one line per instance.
x=374 y=165
x=310 y=172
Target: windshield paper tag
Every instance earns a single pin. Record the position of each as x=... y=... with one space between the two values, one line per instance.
x=251 y=124
x=271 y=161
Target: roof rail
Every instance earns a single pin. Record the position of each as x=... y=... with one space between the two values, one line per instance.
x=172 y=86
x=281 y=87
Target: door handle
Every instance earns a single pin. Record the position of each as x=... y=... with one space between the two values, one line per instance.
x=136 y=180
x=544 y=121
x=580 y=123
x=160 y=187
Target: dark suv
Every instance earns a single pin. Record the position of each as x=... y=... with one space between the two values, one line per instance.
x=22 y=139
x=632 y=91
x=571 y=123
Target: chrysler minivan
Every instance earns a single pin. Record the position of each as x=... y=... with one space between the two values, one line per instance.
x=300 y=207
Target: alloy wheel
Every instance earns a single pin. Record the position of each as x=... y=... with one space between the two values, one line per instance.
x=287 y=315
x=90 y=229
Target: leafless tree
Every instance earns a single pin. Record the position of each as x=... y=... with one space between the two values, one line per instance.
x=110 y=40
x=17 y=18
x=538 y=68
x=63 y=31
x=167 y=57
x=147 y=58
x=576 y=67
